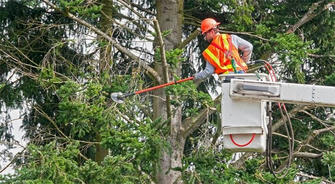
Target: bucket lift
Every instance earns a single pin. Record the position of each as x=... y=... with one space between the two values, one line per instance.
x=243 y=105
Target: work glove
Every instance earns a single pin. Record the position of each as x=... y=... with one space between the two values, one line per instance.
x=196 y=80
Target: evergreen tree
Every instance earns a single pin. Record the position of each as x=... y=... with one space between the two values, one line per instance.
x=61 y=59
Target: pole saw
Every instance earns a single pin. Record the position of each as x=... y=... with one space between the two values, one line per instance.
x=119 y=97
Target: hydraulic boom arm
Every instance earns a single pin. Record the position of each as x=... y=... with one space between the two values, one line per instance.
x=283 y=92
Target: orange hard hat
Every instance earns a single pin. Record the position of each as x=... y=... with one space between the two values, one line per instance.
x=208 y=24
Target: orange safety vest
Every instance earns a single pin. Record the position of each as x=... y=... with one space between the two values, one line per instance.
x=220 y=54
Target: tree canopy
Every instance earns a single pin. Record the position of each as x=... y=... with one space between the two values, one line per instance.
x=60 y=60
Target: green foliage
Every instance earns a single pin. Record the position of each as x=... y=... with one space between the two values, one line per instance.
x=51 y=163
x=114 y=169
x=314 y=181
x=187 y=91
x=292 y=51
x=55 y=163
x=81 y=108
x=47 y=77
x=328 y=140
x=231 y=13
x=211 y=166
x=79 y=7
x=328 y=160
x=56 y=71
x=242 y=17
x=330 y=80
x=174 y=57
x=134 y=140
x=262 y=29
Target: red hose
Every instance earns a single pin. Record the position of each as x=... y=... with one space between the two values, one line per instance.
x=272 y=74
x=163 y=85
x=242 y=145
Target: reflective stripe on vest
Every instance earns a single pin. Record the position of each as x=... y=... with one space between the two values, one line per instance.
x=217 y=61
x=221 y=48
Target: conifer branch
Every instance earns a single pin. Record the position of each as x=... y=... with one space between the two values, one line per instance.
x=40 y=111
x=110 y=39
x=310 y=15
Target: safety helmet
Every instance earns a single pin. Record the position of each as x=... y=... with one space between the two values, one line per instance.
x=208 y=24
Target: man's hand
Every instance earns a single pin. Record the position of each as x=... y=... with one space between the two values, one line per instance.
x=196 y=80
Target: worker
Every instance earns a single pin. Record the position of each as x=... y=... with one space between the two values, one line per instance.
x=222 y=54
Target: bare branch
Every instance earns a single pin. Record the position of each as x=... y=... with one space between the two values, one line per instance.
x=132 y=31
x=314 y=134
x=134 y=21
x=192 y=123
x=317 y=119
x=55 y=125
x=110 y=39
x=314 y=177
x=164 y=63
x=300 y=142
x=307 y=155
x=310 y=15
x=321 y=56
x=317 y=132
x=292 y=113
x=13 y=160
x=189 y=39
x=148 y=11
x=162 y=46
x=241 y=161
x=126 y=4
x=245 y=33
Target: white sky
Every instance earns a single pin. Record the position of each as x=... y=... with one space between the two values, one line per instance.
x=18 y=135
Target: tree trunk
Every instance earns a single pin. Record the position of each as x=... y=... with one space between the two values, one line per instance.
x=170 y=17
x=106 y=26
x=104 y=64
x=100 y=152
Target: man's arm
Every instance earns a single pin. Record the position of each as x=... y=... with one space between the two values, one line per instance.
x=243 y=45
x=209 y=70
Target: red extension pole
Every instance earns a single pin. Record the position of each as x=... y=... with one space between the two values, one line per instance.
x=163 y=85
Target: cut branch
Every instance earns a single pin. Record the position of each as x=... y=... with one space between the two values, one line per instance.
x=317 y=132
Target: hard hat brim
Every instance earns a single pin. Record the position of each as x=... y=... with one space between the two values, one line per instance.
x=216 y=24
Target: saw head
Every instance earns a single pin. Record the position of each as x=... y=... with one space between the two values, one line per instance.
x=117 y=97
